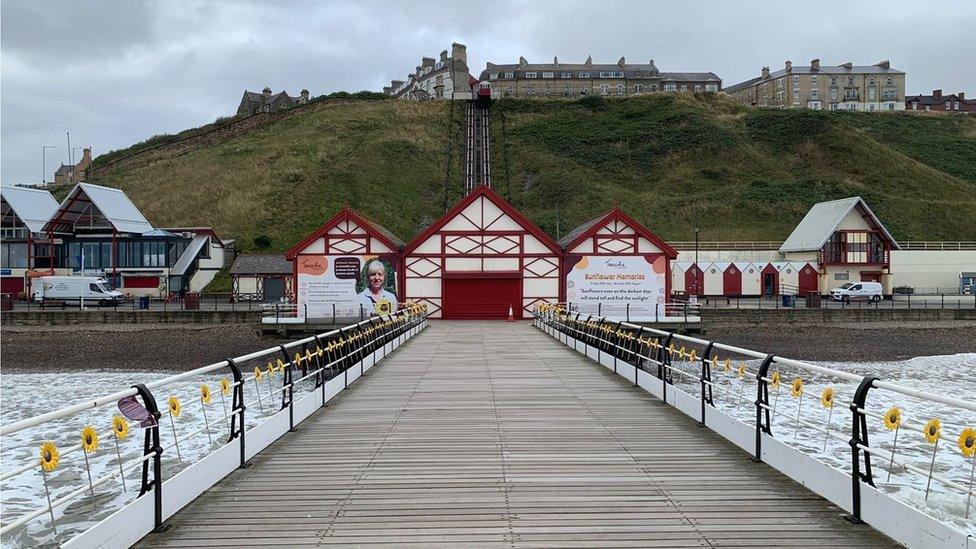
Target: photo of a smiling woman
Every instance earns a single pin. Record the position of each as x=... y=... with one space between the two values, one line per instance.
x=376 y=297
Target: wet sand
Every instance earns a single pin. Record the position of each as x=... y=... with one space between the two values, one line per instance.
x=176 y=347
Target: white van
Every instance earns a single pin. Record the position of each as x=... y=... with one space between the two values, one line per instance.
x=870 y=291
x=74 y=288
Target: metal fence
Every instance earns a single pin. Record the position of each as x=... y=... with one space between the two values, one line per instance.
x=715 y=374
x=263 y=384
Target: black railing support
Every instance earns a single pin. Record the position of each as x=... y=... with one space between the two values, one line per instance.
x=762 y=405
x=636 y=356
x=859 y=437
x=152 y=446
x=615 y=345
x=706 y=382
x=237 y=409
x=287 y=395
x=663 y=364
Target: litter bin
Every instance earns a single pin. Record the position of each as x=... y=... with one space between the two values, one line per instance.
x=144 y=303
x=813 y=301
x=787 y=300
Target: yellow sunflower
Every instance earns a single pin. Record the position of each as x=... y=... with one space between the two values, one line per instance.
x=671 y=349
x=174 y=406
x=727 y=365
x=297 y=360
x=89 y=439
x=319 y=352
x=49 y=456
x=933 y=430
x=205 y=395
x=120 y=426
x=796 y=388
x=827 y=397
x=681 y=352
x=741 y=372
x=224 y=386
x=258 y=374
x=967 y=442
x=892 y=418
x=693 y=355
x=774 y=380
x=280 y=365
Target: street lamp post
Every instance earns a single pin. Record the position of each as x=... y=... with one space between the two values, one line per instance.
x=697 y=288
x=44 y=149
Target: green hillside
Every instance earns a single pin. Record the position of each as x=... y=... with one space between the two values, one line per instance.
x=672 y=161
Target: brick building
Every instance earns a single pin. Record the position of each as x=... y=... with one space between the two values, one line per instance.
x=253 y=102
x=444 y=78
x=870 y=88
x=558 y=79
x=939 y=102
x=68 y=174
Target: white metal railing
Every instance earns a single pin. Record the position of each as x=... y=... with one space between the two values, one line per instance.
x=316 y=359
x=938 y=246
x=671 y=311
x=669 y=356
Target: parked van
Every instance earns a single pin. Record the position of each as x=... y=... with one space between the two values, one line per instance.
x=75 y=288
x=852 y=291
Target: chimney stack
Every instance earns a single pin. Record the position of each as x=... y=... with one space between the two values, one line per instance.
x=848 y=65
x=555 y=61
x=266 y=91
x=937 y=95
x=460 y=54
x=961 y=96
x=815 y=65
x=589 y=61
x=886 y=64
x=765 y=73
x=789 y=66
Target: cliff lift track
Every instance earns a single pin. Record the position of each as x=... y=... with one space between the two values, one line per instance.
x=477 y=164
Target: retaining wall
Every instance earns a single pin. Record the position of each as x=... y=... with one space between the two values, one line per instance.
x=64 y=318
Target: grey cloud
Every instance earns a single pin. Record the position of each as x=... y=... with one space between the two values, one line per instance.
x=114 y=73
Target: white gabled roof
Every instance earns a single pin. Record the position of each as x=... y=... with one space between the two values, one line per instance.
x=34 y=207
x=820 y=222
x=113 y=204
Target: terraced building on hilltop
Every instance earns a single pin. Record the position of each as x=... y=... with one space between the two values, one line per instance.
x=852 y=87
x=576 y=79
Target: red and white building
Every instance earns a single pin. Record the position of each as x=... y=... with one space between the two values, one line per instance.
x=480 y=260
x=617 y=262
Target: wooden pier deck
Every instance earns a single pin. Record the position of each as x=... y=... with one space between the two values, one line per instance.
x=494 y=434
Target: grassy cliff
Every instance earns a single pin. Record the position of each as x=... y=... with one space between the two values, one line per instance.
x=672 y=161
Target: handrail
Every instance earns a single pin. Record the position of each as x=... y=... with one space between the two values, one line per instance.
x=626 y=341
x=335 y=350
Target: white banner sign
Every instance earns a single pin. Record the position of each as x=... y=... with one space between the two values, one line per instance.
x=615 y=286
x=345 y=285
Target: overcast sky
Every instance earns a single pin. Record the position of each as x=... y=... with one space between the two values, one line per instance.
x=114 y=73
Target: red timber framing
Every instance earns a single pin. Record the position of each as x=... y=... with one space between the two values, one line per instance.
x=346 y=233
x=615 y=233
x=482 y=238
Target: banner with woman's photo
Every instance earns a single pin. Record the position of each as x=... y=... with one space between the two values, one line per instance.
x=346 y=285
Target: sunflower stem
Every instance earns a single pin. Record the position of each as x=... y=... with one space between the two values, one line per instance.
x=969 y=494
x=830 y=412
x=775 y=400
x=799 y=404
x=931 y=468
x=50 y=508
x=176 y=440
x=891 y=462
x=118 y=453
x=223 y=406
x=257 y=389
x=91 y=486
x=206 y=422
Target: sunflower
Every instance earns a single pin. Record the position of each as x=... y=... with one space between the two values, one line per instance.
x=297 y=360
x=280 y=365
x=49 y=456
x=796 y=388
x=892 y=418
x=671 y=349
x=827 y=397
x=933 y=430
x=174 y=406
x=967 y=442
x=741 y=371
x=205 y=393
x=727 y=365
x=89 y=439
x=258 y=374
x=224 y=386
x=693 y=355
x=774 y=380
x=681 y=352
x=120 y=426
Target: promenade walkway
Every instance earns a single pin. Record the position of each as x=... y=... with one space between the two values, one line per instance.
x=494 y=434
